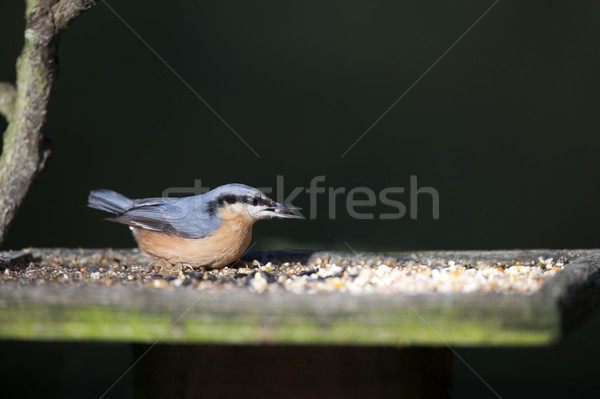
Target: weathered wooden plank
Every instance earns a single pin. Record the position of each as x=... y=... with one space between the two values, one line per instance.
x=240 y=316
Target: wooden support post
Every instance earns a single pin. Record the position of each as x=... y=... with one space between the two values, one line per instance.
x=273 y=371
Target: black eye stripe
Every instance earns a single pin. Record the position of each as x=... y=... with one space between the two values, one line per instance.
x=230 y=199
x=255 y=201
x=266 y=202
x=249 y=200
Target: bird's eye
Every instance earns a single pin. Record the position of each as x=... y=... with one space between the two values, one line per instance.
x=254 y=201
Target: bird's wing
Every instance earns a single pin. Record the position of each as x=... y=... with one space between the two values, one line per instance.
x=170 y=216
x=138 y=203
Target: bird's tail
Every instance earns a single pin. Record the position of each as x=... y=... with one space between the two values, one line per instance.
x=109 y=201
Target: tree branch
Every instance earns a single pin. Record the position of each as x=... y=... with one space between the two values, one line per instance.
x=8 y=93
x=66 y=11
x=24 y=149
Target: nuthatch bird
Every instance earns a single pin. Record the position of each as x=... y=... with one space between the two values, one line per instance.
x=212 y=229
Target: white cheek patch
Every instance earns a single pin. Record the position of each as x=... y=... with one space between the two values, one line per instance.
x=238 y=208
x=232 y=211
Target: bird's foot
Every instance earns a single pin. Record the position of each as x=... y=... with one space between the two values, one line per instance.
x=187 y=267
x=240 y=264
x=164 y=266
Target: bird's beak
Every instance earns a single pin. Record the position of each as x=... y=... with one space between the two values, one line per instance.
x=284 y=211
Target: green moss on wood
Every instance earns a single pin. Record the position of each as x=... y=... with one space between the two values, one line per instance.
x=401 y=328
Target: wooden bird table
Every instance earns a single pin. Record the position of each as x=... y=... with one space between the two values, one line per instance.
x=298 y=323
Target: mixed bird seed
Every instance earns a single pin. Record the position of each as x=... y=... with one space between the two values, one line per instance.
x=353 y=274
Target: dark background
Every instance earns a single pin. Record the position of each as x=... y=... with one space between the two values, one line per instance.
x=505 y=127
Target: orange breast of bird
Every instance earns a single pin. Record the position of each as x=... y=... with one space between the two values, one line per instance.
x=220 y=248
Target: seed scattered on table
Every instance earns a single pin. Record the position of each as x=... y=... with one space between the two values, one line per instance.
x=348 y=275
